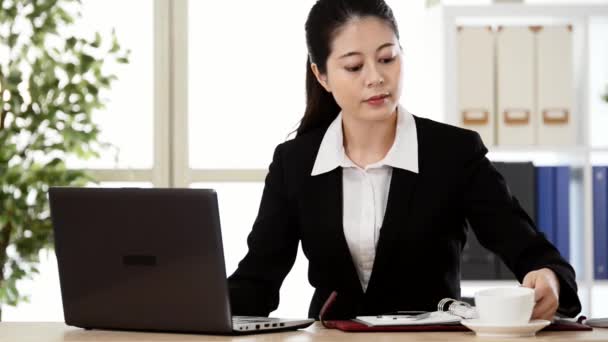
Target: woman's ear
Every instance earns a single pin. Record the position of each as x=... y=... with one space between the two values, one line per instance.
x=321 y=78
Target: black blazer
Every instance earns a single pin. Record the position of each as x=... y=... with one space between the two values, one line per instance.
x=418 y=253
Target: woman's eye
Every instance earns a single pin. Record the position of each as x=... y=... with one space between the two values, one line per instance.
x=358 y=67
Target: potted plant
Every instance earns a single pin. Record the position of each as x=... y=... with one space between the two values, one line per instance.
x=50 y=84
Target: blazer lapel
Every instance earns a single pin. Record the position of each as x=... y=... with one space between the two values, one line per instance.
x=324 y=196
x=402 y=187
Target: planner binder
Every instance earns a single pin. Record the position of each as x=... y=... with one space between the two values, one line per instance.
x=555 y=87
x=449 y=310
x=600 y=222
x=515 y=86
x=476 y=81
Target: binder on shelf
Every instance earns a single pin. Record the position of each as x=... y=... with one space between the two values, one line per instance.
x=555 y=87
x=479 y=263
x=521 y=181
x=476 y=81
x=562 y=211
x=515 y=86
x=553 y=203
x=545 y=220
x=600 y=222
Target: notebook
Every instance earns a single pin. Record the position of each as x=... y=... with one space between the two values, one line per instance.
x=449 y=311
x=430 y=318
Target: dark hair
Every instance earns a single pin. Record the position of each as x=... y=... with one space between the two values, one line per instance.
x=324 y=19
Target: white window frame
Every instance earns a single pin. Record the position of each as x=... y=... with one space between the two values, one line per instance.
x=171 y=165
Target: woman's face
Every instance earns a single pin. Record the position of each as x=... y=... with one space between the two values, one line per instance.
x=364 y=69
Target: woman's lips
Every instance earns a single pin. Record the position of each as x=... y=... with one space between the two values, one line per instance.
x=377 y=100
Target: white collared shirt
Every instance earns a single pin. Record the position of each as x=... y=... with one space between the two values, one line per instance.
x=365 y=190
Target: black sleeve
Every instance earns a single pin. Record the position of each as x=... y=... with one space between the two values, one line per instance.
x=503 y=227
x=273 y=245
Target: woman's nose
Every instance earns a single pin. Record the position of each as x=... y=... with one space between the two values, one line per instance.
x=374 y=78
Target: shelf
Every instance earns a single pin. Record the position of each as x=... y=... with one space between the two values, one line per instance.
x=525 y=10
x=599 y=156
x=580 y=157
x=540 y=149
x=540 y=155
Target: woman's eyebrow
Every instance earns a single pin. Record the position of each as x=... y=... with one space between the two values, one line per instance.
x=352 y=53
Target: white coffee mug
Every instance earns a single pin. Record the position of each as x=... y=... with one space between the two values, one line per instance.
x=505 y=305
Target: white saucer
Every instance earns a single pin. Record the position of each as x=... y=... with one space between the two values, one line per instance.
x=496 y=330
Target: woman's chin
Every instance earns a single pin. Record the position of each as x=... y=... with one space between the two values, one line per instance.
x=377 y=114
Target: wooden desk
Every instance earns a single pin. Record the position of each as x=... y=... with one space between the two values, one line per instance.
x=56 y=332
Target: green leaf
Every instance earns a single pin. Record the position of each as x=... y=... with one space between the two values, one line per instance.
x=93 y=90
x=14 y=78
x=97 y=42
x=64 y=16
x=12 y=40
x=85 y=62
x=70 y=43
x=115 y=46
x=70 y=69
x=55 y=162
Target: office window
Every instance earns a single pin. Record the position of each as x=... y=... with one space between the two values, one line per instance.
x=129 y=112
x=246 y=76
x=238 y=206
x=421 y=68
x=246 y=79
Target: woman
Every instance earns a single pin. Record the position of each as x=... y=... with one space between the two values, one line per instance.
x=379 y=197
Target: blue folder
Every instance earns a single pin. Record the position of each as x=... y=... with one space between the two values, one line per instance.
x=562 y=211
x=545 y=219
x=553 y=206
x=600 y=222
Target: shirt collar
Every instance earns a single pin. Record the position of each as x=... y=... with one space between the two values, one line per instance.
x=403 y=153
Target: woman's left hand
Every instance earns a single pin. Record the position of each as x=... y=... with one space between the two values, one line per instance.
x=546 y=292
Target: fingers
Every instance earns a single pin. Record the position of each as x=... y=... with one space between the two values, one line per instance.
x=545 y=308
x=546 y=293
x=546 y=302
x=529 y=280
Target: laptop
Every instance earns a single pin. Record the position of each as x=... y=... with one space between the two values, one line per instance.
x=146 y=259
